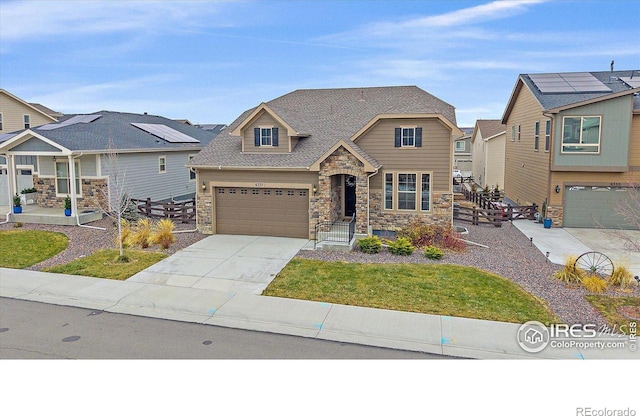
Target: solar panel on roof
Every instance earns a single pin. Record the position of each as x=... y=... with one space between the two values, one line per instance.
x=568 y=83
x=81 y=118
x=166 y=133
x=632 y=82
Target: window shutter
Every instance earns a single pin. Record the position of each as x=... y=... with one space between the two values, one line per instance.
x=418 y=136
x=256 y=136
x=274 y=137
x=398 y=136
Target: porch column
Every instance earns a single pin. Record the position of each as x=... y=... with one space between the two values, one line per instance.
x=72 y=186
x=13 y=180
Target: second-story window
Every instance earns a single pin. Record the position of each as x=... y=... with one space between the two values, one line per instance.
x=408 y=137
x=1 y=127
x=265 y=136
x=460 y=146
x=27 y=121
x=536 y=136
x=547 y=136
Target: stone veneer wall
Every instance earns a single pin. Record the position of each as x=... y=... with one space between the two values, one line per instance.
x=204 y=212
x=92 y=194
x=341 y=162
x=556 y=213
x=441 y=212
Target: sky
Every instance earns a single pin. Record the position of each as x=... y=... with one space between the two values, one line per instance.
x=208 y=61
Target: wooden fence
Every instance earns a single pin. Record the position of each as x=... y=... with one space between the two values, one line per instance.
x=489 y=209
x=184 y=211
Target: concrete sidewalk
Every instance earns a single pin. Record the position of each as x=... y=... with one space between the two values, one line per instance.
x=445 y=335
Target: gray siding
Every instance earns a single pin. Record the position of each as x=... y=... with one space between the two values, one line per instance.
x=143 y=179
x=34 y=145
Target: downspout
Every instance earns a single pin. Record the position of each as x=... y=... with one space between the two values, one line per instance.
x=369 y=198
x=9 y=190
x=74 y=199
x=10 y=181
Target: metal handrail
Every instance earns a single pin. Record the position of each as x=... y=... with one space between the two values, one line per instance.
x=335 y=231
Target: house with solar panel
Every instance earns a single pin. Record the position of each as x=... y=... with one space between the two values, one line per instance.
x=573 y=141
x=70 y=158
x=329 y=164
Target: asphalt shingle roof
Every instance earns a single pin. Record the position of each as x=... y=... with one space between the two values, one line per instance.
x=327 y=116
x=489 y=128
x=115 y=126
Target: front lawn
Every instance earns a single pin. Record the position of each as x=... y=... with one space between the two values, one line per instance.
x=449 y=290
x=104 y=264
x=24 y=248
x=618 y=311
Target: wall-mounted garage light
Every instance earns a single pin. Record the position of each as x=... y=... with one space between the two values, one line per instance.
x=204 y=187
x=557 y=189
x=315 y=189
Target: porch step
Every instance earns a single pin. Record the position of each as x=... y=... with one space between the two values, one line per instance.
x=336 y=246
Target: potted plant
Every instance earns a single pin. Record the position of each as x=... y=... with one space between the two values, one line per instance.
x=17 y=204
x=545 y=220
x=67 y=206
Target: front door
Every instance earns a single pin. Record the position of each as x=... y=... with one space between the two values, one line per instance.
x=349 y=195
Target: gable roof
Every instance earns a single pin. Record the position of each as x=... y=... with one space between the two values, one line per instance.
x=490 y=128
x=324 y=117
x=613 y=85
x=32 y=106
x=47 y=110
x=94 y=132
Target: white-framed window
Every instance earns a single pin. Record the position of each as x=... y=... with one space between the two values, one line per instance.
x=519 y=131
x=513 y=133
x=536 y=136
x=547 y=136
x=266 y=136
x=460 y=146
x=63 y=179
x=388 y=191
x=1 y=126
x=425 y=194
x=192 y=174
x=581 y=134
x=407 y=190
x=27 y=121
x=162 y=164
x=408 y=137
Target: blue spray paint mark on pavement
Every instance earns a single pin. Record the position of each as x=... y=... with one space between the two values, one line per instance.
x=444 y=340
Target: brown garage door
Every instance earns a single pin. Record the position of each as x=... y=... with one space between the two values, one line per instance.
x=260 y=211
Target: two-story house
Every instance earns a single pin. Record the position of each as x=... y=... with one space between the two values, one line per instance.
x=380 y=155
x=487 y=148
x=573 y=140
x=462 y=154
x=17 y=114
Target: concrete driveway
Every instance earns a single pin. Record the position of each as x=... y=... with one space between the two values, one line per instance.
x=227 y=263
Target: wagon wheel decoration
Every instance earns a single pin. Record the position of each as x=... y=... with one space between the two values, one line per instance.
x=594 y=262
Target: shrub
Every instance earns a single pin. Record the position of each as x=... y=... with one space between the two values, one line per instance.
x=421 y=234
x=433 y=253
x=163 y=233
x=142 y=234
x=594 y=284
x=370 y=245
x=401 y=247
x=568 y=274
x=622 y=277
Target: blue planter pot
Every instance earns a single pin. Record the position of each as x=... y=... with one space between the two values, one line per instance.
x=547 y=223
x=17 y=210
x=67 y=212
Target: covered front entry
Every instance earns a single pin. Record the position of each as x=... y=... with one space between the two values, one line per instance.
x=595 y=206
x=262 y=211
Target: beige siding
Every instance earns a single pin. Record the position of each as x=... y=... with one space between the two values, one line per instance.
x=434 y=155
x=634 y=144
x=265 y=120
x=526 y=178
x=13 y=112
x=479 y=159
x=256 y=177
x=495 y=160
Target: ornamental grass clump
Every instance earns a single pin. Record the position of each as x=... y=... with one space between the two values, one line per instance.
x=370 y=245
x=401 y=247
x=163 y=233
x=141 y=235
x=594 y=284
x=622 y=277
x=568 y=273
x=125 y=235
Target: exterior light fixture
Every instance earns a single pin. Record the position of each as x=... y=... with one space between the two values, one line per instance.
x=204 y=186
x=557 y=189
x=315 y=189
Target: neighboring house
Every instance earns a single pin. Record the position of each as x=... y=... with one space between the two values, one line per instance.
x=382 y=155
x=152 y=152
x=462 y=156
x=573 y=139
x=488 y=147
x=17 y=114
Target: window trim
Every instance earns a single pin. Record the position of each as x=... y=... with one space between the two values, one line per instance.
x=547 y=136
x=1 y=122
x=191 y=172
x=413 y=142
x=384 y=191
x=68 y=179
x=513 y=133
x=270 y=129
x=26 y=119
x=580 y=143
x=395 y=192
x=536 y=136
x=519 y=131
x=161 y=164
x=463 y=146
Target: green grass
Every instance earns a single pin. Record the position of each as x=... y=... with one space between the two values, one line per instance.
x=24 y=248
x=608 y=305
x=104 y=264
x=434 y=289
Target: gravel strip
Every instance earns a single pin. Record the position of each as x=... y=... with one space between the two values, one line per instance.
x=84 y=241
x=510 y=254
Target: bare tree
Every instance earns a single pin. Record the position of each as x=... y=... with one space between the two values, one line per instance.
x=115 y=200
x=629 y=209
